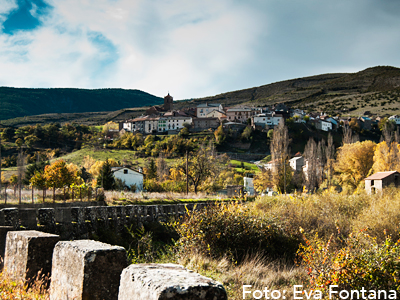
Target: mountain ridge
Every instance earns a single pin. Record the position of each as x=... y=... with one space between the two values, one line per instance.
x=20 y=102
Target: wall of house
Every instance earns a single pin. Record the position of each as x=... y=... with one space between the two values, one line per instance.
x=130 y=178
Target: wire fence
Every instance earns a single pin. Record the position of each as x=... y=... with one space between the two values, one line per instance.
x=27 y=194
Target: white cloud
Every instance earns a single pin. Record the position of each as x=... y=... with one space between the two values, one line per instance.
x=195 y=48
x=6 y=6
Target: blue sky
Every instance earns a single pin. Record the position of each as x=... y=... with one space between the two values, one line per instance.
x=191 y=48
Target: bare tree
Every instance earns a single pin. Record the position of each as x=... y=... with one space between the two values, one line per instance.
x=348 y=136
x=20 y=172
x=162 y=168
x=280 y=157
x=330 y=158
x=310 y=155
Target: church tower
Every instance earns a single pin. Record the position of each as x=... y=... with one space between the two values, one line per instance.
x=168 y=102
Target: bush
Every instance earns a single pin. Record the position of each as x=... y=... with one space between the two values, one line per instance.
x=230 y=230
x=362 y=262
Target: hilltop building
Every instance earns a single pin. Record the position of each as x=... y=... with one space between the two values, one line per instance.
x=168 y=102
x=157 y=110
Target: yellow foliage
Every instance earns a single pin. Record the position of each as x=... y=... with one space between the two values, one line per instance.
x=354 y=162
x=96 y=167
x=176 y=174
x=386 y=157
x=88 y=162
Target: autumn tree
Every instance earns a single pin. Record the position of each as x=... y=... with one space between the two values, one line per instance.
x=220 y=135
x=57 y=176
x=354 y=162
x=203 y=164
x=38 y=180
x=387 y=155
x=263 y=180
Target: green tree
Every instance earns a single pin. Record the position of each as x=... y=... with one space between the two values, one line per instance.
x=246 y=134
x=30 y=140
x=151 y=170
x=8 y=133
x=106 y=177
x=33 y=168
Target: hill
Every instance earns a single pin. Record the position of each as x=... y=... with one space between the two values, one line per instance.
x=374 y=89
x=20 y=102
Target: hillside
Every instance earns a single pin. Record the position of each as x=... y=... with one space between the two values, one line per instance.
x=21 y=102
x=375 y=89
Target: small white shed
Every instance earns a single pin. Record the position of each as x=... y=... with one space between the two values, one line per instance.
x=129 y=177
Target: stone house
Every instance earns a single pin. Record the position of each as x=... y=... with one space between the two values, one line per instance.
x=205 y=123
x=376 y=182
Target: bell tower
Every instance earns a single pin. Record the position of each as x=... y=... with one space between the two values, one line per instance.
x=168 y=102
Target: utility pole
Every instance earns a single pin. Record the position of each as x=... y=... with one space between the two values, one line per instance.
x=284 y=175
x=187 y=173
x=0 y=166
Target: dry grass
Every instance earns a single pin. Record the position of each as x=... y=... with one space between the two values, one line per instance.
x=255 y=271
x=10 y=290
x=122 y=198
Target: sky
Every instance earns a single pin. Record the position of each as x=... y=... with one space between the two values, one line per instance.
x=194 y=48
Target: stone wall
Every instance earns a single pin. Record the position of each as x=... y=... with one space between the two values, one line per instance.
x=79 y=222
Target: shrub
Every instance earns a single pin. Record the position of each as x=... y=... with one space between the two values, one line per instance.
x=362 y=262
x=230 y=230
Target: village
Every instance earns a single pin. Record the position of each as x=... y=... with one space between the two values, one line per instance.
x=209 y=116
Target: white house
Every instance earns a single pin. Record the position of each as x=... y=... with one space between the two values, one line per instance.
x=129 y=177
x=248 y=185
x=323 y=125
x=296 y=163
x=203 y=110
x=395 y=118
x=265 y=120
x=172 y=123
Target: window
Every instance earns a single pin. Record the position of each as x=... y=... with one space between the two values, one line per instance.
x=372 y=182
x=125 y=171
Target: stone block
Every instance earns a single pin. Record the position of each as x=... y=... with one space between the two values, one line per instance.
x=46 y=217
x=63 y=215
x=86 y=270
x=167 y=281
x=11 y=217
x=27 y=218
x=27 y=253
x=3 y=235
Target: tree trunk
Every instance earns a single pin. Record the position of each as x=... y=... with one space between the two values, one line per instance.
x=33 y=191
x=44 y=194
x=54 y=194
